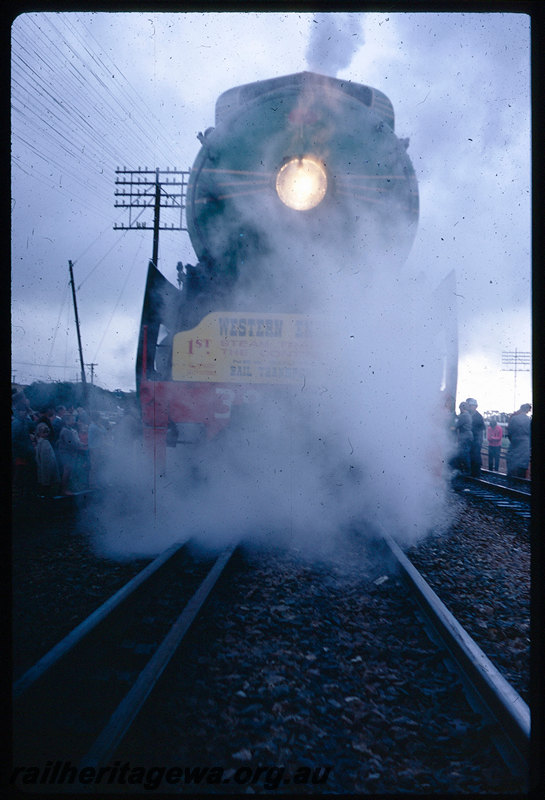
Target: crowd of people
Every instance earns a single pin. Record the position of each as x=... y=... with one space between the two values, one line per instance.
x=57 y=450
x=61 y=450
x=471 y=432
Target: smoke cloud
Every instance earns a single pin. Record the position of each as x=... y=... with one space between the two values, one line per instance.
x=359 y=443
x=334 y=40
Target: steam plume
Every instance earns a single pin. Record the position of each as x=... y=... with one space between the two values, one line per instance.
x=334 y=40
x=357 y=445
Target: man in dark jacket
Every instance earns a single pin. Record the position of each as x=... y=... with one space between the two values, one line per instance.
x=464 y=436
x=478 y=428
x=518 y=432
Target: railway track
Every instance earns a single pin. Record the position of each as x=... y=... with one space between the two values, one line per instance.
x=487 y=689
x=524 y=485
x=78 y=703
x=514 y=496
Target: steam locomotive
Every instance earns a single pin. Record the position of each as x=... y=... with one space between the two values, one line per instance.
x=297 y=170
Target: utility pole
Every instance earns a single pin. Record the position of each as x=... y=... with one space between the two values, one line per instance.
x=156 y=189
x=83 y=378
x=156 y=213
x=92 y=371
x=515 y=361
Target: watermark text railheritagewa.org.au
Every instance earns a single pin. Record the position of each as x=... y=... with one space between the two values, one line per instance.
x=64 y=773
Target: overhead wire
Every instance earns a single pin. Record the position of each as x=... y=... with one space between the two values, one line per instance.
x=78 y=126
x=102 y=75
x=36 y=85
x=86 y=202
x=49 y=136
x=155 y=133
x=98 y=263
x=54 y=337
x=49 y=152
x=89 y=246
x=60 y=133
x=129 y=273
x=35 y=364
x=43 y=96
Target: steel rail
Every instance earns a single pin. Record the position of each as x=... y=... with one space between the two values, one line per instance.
x=525 y=484
x=84 y=628
x=500 y=488
x=502 y=701
x=514 y=500
x=107 y=741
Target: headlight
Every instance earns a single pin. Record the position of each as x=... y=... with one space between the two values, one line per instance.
x=301 y=183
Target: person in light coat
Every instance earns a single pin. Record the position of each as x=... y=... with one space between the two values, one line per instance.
x=69 y=446
x=46 y=462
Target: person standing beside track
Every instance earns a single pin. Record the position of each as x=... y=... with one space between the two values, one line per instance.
x=464 y=434
x=477 y=427
x=46 y=462
x=518 y=433
x=68 y=448
x=45 y=417
x=494 y=435
x=58 y=421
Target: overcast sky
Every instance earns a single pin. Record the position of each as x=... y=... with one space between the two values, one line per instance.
x=95 y=91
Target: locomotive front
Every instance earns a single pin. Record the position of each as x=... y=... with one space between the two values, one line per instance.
x=297 y=170
x=298 y=164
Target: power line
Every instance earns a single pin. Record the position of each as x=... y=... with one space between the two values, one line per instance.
x=129 y=273
x=42 y=366
x=74 y=117
x=84 y=101
x=99 y=262
x=88 y=78
x=67 y=114
x=65 y=294
x=153 y=131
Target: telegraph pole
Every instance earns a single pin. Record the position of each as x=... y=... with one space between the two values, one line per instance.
x=152 y=189
x=83 y=378
x=157 y=211
x=515 y=361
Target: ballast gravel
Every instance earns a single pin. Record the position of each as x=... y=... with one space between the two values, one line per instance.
x=316 y=667
x=308 y=666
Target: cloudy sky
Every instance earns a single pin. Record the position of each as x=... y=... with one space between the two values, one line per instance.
x=92 y=92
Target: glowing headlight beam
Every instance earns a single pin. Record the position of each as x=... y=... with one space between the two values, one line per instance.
x=301 y=183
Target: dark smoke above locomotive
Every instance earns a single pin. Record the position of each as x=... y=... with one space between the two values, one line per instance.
x=297 y=169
